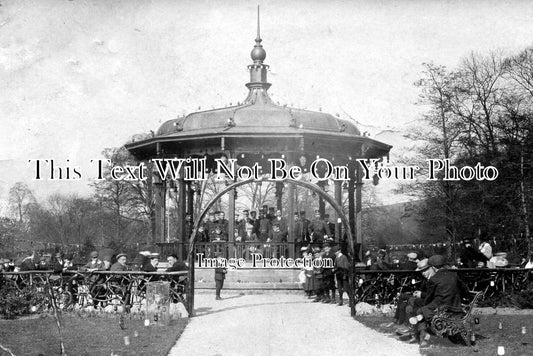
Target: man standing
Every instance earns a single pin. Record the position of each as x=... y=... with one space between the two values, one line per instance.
x=331 y=226
x=305 y=227
x=220 y=275
x=210 y=226
x=255 y=224
x=221 y=231
x=342 y=273
x=444 y=288
x=281 y=223
x=318 y=229
x=264 y=227
x=328 y=276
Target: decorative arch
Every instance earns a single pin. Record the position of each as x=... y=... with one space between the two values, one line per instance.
x=308 y=185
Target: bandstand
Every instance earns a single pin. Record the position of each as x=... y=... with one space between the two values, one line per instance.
x=253 y=132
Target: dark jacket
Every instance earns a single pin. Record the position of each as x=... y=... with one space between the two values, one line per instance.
x=318 y=228
x=445 y=288
x=178 y=266
x=149 y=268
x=220 y=274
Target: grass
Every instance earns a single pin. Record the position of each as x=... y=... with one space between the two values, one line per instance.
x=488 y=336
x=88 y=336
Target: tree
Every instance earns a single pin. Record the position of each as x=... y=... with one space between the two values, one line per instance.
x=20 y=199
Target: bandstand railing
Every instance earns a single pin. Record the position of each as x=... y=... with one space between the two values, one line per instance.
x=238 y=249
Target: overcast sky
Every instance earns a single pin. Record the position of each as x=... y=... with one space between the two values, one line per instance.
x=79 y=76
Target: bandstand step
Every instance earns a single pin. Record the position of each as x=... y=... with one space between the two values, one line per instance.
x=250 y=278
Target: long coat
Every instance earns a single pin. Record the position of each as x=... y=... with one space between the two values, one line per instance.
x=444 y=288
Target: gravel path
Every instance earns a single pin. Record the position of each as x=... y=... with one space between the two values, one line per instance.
x=280 y=324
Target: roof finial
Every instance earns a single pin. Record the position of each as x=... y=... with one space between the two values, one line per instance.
x=258 y=39
x=258 y=53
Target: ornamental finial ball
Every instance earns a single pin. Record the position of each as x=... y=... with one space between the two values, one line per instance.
x=258 y=53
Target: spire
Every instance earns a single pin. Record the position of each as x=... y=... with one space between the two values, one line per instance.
x=258 y=53
x=258 y=26
x=258 y=84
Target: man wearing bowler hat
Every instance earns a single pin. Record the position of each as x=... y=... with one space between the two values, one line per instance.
x=444 y=288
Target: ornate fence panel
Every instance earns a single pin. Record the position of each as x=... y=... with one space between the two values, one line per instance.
x=383 y=287
x=77 y=289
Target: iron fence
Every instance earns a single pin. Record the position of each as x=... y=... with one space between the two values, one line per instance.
x=384 y=287
x=79 y=289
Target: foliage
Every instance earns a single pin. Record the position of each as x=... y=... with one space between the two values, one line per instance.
x=15 y=302
x=480 y=112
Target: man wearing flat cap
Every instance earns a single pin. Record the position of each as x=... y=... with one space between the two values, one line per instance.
x=444 y=288
x=120 y=265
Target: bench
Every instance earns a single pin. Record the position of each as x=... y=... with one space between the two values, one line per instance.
x=449 y=321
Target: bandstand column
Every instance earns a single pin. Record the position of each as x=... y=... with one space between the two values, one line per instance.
x=190 y=201
x=351 y=204
x=279 y=195
x=321 y=203
x=338 y=200
x=290 y=218
x=159 y=211
x=182 y=196
x=231 y=217
x=358 y=211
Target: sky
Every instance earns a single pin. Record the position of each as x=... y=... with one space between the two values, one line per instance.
x=79 y=76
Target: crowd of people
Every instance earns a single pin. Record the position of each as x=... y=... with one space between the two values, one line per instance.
x=321 y=282
x=414 y=311
x=58 y=262
x=269 y=226
x=468 y=257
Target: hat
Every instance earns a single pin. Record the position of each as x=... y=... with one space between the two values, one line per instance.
x=145 y=253
x=302 y=212
x=121 y=255
x=501 y=254
x=326 y=244
x=437 y=261
x=93 y=254
x=422 y=265
x=211 y=213
x=335 y=249
x=154 y=255
x=218 y=212
x=245 y=211
x=412 y=255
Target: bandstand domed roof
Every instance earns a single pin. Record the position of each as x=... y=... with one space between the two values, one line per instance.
x=258 y=126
